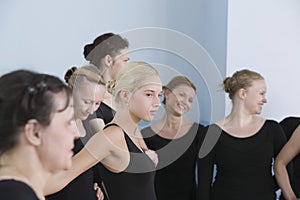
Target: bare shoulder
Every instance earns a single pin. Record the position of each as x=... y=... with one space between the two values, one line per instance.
x=115 y=134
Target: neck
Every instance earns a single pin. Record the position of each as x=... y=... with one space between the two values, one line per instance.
x=239 y=116
x=171 y=121
x=25 y=166
x=123 y=119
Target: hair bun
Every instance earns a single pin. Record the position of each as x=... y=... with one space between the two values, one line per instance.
x=69 y=73
x=110 y=86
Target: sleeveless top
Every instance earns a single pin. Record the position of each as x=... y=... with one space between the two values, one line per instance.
x=82 y=187
x=136 y=182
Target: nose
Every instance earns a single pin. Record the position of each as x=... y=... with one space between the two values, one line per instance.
x=264 y=100
x=74 y=130
x=157 y=102
x=91 y=109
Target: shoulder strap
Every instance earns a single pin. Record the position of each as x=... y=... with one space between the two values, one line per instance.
x=111 y=124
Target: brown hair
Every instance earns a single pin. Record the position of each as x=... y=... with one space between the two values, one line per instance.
x=240 y=79
x=175 y=82
x=105 y=44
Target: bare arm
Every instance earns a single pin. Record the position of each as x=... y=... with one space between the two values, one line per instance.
x=96 y=149
x=286 y=155
x=96 y=125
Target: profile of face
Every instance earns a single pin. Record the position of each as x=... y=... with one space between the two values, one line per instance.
x=57 y=139
x=180 y=99
x=145 y=101
x=119 y=62
x=87 y=98
x=255 y=96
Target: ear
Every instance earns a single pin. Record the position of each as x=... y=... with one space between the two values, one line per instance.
x=125 y=96
x=242 y=93
x=167 y=92
x=32 y=132
x=108 y=61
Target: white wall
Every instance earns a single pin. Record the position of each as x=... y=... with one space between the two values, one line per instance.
x=264 y=35
x=49 y=36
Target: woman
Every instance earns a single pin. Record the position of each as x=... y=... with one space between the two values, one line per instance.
x=290 y=152
x=37 y=132
x=88 y=91
x=128 y=165
x=176 y=141
x=245 y=147
x=109 y=53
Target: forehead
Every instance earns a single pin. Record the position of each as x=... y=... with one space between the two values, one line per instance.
x=154 y=82
x=183 y=87
x=123 y=53
x=259 y=84
x=88 y=88
x=60 y=100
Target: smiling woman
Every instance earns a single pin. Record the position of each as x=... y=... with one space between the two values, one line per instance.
x=245 y=147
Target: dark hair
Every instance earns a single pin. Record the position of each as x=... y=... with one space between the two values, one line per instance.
x=26 y=95
x=106 y=44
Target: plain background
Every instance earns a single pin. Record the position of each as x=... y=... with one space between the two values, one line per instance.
x=262 y=35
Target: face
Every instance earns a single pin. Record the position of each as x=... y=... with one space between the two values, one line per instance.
x=119 y=62
x=145 y=101
x=255 y=96
x=55 y=150
x=87 y=98
x=180 y=99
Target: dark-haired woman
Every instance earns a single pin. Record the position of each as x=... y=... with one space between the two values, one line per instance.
x=109 y=53
x=36 y=133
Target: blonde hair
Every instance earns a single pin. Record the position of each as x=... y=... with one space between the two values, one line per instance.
x=89 y=72
x=240 y=79
x=131 y=77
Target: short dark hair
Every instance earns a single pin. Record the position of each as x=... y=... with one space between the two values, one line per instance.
x=26 y=95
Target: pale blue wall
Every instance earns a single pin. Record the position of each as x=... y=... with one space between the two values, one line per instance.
x=49 y=36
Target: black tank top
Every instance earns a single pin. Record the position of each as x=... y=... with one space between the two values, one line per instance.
x=136 y=182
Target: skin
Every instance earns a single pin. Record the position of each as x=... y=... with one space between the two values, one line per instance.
x=42 y=150
x=178 y=102
x=286 y=155
x=114 y=65
x=247 y=104
x=109 y=146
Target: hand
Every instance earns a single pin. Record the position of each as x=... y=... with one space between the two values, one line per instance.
x=152 y=155
x=99 y=192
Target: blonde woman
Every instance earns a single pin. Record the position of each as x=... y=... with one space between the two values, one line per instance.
x=88 y=91
x=128 y=164
x=246 y=145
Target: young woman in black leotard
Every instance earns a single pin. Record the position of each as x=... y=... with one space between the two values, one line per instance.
x=289 y=153
x=176 y=140
x=128 y=163
x=88 y=91
x=244 y=145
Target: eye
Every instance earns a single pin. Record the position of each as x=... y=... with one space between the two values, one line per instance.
x=149 y=94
